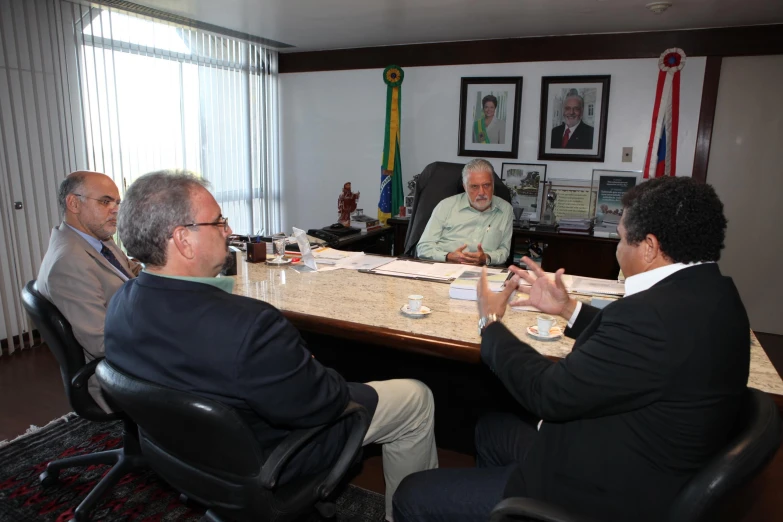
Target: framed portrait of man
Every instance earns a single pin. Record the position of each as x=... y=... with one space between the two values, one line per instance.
x=489 y=116
x=573 y=118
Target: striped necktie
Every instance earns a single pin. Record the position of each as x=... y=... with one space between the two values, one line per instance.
x=111 y=258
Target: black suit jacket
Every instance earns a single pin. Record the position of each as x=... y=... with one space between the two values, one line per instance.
x=239 y=351
x=582 y=138
x=649 y=393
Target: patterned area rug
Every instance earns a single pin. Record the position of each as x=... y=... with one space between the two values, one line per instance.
x=140 y=496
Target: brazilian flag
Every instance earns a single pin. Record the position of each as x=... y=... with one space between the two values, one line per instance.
x=391 y=198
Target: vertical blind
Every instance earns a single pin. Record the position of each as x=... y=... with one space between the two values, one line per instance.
x=157 y=95
x=100 y=88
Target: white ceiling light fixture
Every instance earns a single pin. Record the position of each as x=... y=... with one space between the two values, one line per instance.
x=658 y=7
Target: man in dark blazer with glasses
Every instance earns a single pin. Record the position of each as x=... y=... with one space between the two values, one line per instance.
x=180 y=326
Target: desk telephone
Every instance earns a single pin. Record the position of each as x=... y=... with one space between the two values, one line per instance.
x=330 y=239
x=332 y=233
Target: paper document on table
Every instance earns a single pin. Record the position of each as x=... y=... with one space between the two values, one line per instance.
x=519 y=296
x=363 y=262
x=567 y=280
x=330 y=256
x=593 y=286
x=416 y=269
x=585 y=285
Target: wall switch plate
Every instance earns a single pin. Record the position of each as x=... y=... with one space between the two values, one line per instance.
x=627 y=154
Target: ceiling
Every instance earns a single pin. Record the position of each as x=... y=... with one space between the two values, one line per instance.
x=333 y=24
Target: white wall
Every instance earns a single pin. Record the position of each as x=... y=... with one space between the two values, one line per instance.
x=745 y=169
x=333 y=124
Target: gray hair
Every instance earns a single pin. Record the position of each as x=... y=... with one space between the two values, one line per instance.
x=70 y=185
x=573 y=93
x=154 y=205
x=476 y=165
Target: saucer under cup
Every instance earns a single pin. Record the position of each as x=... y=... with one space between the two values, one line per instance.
x=423 y=311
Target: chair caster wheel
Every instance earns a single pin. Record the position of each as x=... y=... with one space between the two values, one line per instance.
x=326 y=510
x=48 y=478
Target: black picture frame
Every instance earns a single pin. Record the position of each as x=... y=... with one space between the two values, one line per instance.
x=584 y=145
x=610 y=186
x=474 y=138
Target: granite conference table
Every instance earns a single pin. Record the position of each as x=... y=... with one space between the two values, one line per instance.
x=364 y=309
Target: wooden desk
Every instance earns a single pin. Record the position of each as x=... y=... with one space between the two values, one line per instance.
x=352 y=323
x=349 y=305
x=579 y=255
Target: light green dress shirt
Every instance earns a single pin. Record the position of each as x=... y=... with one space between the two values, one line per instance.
x=454 y=223
x=224 y=283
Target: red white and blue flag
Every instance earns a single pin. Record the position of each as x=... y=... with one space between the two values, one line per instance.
x=662 y=147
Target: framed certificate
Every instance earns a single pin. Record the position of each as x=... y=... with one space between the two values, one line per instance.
x=610 y=186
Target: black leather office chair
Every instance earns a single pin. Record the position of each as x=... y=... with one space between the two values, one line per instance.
x=756 y=439
x=205 y=450
x=438 y=181
x=58 y=335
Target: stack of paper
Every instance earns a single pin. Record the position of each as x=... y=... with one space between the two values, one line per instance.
x=578 y=226
x=363 y=262
x=586 y=285
x=422 y=270
x=593 y=286
x=330 y=256
x=466 y=285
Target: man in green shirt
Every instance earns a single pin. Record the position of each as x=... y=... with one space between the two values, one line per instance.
x=473 y=227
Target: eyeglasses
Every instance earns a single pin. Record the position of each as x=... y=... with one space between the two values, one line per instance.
x=106 y=201
x=222 y=221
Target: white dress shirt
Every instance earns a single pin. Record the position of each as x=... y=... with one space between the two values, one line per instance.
x=641 y=282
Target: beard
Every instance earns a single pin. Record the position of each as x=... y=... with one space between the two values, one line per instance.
x=482 y=204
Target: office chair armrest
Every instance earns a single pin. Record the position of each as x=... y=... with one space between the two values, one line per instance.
x=352 y=446
x=85 y=372
x=270 y=471
x=522 y=508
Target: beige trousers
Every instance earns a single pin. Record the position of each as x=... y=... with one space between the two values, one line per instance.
x=403 y=423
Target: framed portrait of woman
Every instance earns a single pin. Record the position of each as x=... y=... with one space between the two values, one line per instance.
x=489 y=116
x=573 y=118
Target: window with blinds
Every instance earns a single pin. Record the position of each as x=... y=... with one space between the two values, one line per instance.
x=160 y=96
x=86 y=86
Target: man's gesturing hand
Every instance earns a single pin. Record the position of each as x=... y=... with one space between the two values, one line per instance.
x=546 y=295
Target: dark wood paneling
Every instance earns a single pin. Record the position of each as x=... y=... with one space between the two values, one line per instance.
x=728 y=41
x=773 y=345
x=400 y=226
x=387 y=338
x=376 y=242
x=709 y=99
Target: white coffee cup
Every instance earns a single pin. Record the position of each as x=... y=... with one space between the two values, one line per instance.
x=545 y=323
x=414 y=302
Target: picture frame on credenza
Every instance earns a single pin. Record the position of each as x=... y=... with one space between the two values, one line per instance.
x=526 y=182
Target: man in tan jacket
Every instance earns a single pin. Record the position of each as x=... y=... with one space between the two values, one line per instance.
x=83 y=267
